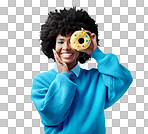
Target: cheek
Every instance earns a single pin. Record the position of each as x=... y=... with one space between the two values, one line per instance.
x=57 y=48
x=77 y=54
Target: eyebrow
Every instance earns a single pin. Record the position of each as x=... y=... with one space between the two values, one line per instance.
x=60 y=38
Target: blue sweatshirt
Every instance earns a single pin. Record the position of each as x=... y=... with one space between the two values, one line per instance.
x=74 y=103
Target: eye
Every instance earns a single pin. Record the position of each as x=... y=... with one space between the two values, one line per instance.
x=60 y=42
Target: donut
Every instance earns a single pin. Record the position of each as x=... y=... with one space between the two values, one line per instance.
x=80 y=40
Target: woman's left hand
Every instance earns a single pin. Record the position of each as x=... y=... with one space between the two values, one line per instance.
x=93 y=44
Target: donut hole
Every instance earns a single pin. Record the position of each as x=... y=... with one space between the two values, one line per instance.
x=81 y=40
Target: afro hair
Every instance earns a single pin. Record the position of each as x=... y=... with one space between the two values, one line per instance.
x=63 y=22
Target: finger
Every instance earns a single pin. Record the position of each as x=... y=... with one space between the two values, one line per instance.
x=86 y=31
x=58 y=61
x=54 y=53
x=93 y=35
x=57 y=58
x=82 y=28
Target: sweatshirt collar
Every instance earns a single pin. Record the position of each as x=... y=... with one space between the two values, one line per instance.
x=75 y=70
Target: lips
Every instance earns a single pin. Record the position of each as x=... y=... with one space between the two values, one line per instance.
x=66 y=54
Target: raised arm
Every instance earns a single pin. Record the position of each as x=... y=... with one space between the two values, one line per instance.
x=115 y=76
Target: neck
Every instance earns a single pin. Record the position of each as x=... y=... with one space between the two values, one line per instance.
x=71 y=66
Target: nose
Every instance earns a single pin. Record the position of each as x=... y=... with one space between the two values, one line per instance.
x=66 y=45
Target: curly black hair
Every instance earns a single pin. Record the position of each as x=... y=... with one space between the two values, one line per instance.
x=63 y=22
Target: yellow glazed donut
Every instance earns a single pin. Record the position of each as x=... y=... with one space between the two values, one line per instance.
x=80 y=40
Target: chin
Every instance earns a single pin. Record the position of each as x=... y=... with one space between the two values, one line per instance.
x=67 y=61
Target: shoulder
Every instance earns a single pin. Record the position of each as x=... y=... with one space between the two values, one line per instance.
x=45 y=76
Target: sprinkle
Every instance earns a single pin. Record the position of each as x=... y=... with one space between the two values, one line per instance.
x=85 y=35
x=82 y=45
x=73 y=42
x=77 y=45
x=75 y=35
x=89 y=39
x=86 y=40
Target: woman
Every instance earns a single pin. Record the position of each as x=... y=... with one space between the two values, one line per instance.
x=69 y=99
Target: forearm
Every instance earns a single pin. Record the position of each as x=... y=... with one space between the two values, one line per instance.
x=54 y=105
x=108 y=64
x=115 y=76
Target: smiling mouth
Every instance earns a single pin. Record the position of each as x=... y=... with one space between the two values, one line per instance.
x=66 y=55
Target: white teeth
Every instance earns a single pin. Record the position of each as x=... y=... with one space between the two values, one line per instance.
x=66 y=54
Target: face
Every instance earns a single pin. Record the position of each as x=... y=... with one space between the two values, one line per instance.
x=65 y=51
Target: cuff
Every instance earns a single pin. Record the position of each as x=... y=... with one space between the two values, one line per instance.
x=97 y=54
x=65 y=74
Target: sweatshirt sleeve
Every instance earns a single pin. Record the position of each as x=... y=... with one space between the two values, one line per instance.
x=53 y=99
x=115 y=76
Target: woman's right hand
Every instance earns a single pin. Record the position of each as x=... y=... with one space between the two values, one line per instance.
x=62 y=66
